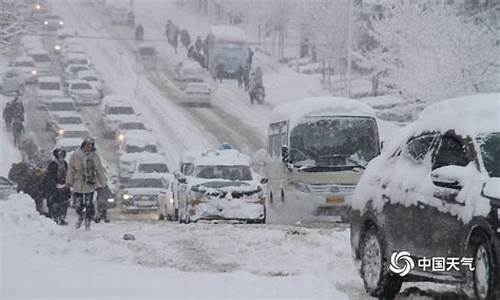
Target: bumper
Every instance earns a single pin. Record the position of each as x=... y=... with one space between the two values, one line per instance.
x=249 y=212
x=135 y=208
x=87 y=101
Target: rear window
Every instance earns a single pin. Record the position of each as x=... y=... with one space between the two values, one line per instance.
x=121 y=110
x=132 y=126
x=76 y=134
x=23 y=64
x=50 y=86
x=81 y=86
x=70 y=120
x=153 y=168
x=137 y=149
x=61 y=106
x=41 y=58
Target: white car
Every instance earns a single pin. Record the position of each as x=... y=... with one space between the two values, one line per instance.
x=69 y=145
x=11 y=81
x=61 y=36
x=49 y=87
x=114 y=111
x=82 y=92
x=59 y=106
x=30 y=42
x=71 y=71
x=130 y=125
x=73 y=131
x=93 y=79
x=197 y=94
x=43 y=62
x=52 y=22
x=26 y=64
x=221 y=186
x=74 y=58
x=145 y=192
x=57 y=121
x=133 y=149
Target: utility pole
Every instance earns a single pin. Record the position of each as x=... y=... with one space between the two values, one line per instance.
x=349 y=49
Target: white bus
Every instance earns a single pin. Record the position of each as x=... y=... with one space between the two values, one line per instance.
x=318 y=149
x=227 y=46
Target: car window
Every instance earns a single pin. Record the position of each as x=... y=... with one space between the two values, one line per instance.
x=451 y=152
x=418 y=147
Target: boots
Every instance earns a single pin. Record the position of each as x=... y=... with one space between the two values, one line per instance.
x=87 y=223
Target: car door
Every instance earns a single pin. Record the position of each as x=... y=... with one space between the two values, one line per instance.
x=402 y=174
x=440 y=225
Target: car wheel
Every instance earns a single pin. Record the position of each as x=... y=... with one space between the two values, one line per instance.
x=481 y=282
x=378 y=280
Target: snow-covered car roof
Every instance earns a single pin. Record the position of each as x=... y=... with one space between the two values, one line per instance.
x=77 y=81
x=228 y=33
x=64 y=99
x=68 y=114
x=115 y=101
x=86 y=73
x=140 y=140
x=222 y=158
x=146 y=46
x=49 y=79
x=147 y=176
x=197 y=85
x=75 y=55
x=138 y=156
x=295 y=112
x=75 y=127
x=473 y=114
x=154 y=158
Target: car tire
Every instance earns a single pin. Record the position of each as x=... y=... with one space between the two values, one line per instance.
x=377 y=278
x=480 y=283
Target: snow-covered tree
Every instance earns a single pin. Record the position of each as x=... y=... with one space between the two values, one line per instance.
x=433 y=53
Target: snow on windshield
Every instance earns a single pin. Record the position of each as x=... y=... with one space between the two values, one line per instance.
x=336 y=141
x=233 y=173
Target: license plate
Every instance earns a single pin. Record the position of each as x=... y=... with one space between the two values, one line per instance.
x=144 y=203
x=334 y=199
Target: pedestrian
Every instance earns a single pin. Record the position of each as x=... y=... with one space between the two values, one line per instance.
x=246 y=78
x=139 y=32
x=29 y=180
x=175 y=38
x=185 y=38
x=240 y=76
x=17 y=109
x=220 y=72
x=258 y=78
x=192 y=53
x=17 y=131
x=57 y=192
x=250 y=58
x=198 y=44
x=85 y=175
x=103 y=195
x=8 y=115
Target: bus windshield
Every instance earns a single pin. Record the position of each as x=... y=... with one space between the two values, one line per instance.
x=336 y=142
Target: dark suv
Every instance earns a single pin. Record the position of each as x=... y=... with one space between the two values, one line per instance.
x=428 y=208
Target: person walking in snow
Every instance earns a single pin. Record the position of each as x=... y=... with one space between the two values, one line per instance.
x=103 y=194
x=139 y=32
x=58 y=193
x=198 y=44
x=17 y=131
x=185 y=38
x=85 y=175
x=8 y=115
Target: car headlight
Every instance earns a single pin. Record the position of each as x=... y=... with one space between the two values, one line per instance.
x=111 y=200
x=172 y=201
x=60 y=131
x=38 y=7
x=57 y=47
x=127 y=197
x=121 y=137
x=46 y=22
x=33 y=72
x=61 y=23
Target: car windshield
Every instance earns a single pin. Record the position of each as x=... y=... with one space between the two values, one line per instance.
x=121 y=110
x=75 y=134
x=132 y=126
x=490 y=151
x=90 y=78
x=78 y=61
x=76 y=69
x=61 y=106
x=81 y=86
x=24 y=64
x=146 y=183
x=137 y=149
x=41 y=57
x=238 y=172
x=70 y=120
x=49 y=86
x=153 y=168
x=200 y=89
x=334 y=142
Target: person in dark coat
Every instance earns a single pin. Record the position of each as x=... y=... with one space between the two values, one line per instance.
x=220 y=72
x=175 y=38
x=250 y=59
x=240 y=76
x=139 y=32
x=17 y=131
x=17 y=108
x=58 y=193
x=198 y=44
x=8 y=115
x=192 y=53
x=185 y=38
x=29 y=180
x=103 y=195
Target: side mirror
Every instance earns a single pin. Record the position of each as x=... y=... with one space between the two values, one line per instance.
x=449 y=176
x=284 y=153
x=182 y=180
x=491 y=189
x=264 y=181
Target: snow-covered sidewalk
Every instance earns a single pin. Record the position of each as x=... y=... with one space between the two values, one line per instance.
x=45 y=261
